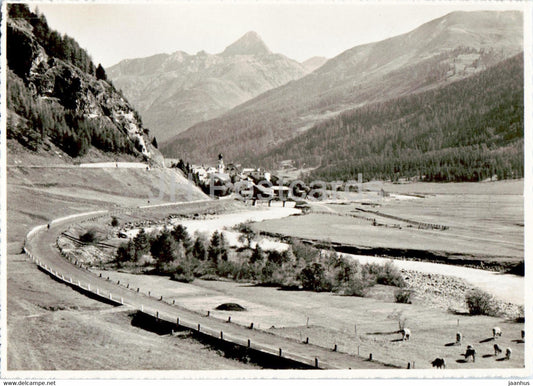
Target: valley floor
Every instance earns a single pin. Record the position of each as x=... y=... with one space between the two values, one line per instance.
x=58 y=321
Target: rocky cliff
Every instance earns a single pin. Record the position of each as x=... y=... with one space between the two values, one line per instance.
x=56 y=98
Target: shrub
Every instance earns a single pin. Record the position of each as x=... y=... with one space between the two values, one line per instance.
x=89 y=236
x=480 y=303
x=313 y=278
x=403 y=296
x=114 y=221
x=356 y=287
x=183 y=274
x=386 y=274
x=125 y=252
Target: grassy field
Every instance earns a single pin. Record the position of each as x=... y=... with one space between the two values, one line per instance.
x=484 y=226
x=334 y=319
x=43 y=313
x=52 y=327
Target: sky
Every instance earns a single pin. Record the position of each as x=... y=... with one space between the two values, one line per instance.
x=115 y=31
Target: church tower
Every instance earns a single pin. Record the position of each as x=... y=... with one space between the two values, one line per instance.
x=220 y=164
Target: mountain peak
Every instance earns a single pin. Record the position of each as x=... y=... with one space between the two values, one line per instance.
x=249 y=44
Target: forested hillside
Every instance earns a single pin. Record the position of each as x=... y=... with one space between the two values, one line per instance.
x=469 y=130
x=442 y=51
x=57 y=97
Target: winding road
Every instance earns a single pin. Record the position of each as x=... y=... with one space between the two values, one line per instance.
x=41 y=247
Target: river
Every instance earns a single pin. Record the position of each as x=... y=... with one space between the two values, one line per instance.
x=506 y=287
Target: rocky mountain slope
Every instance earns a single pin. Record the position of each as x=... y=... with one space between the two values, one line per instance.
x=446 y=49
x=58 y=100
x=174 y=91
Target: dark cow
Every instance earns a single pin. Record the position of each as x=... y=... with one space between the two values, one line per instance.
x=497 y=350
x=439 y=363
x=470 y=352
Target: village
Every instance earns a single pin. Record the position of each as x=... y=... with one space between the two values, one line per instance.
x=246 y=183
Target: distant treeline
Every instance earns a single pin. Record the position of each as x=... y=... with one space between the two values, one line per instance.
x=468 y=130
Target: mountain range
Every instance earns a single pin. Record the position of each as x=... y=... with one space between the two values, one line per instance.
x=175 y=91
x=453 y=47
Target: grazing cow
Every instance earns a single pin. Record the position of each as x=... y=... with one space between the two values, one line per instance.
x=406 y=334
x=497 y=350
x=496 y=331
x=470 y=352
x=439 y=363
x=508 y=353
x=458 y=338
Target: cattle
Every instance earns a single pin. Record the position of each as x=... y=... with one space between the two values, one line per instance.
x=406 y=333
x=470 y=352
x=496 y=331
x=439 y=363
x=497 y=350
x=458 y=338
x=508 y=353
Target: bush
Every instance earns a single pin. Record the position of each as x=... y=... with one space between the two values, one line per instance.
x=125 y=253
x=481 y=303
x=356 y=287
x=403 y=296
x=114 y=221
x=183 y=274
x=89 y=236
x=313 y=278
x=386 y=274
